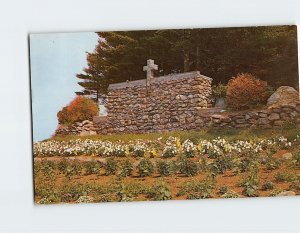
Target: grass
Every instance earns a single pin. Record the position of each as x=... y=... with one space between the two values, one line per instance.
x=195 y=136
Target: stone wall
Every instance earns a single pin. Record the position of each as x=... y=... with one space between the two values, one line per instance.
x=273 y=117
x=169 y=103
x=79 y=128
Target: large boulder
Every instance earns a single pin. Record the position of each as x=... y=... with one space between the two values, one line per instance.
x=284 y=95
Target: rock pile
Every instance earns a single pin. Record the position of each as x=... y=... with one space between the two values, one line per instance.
x=83 y=128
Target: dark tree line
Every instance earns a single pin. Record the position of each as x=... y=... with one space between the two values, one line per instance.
x=269 y=53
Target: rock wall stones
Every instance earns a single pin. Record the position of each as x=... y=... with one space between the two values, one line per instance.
x=82 y=128
x=169 y=103
x=274 y=117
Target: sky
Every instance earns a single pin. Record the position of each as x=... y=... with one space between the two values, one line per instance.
x=55 y=59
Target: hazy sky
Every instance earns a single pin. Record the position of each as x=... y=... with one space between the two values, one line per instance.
x=55 y=60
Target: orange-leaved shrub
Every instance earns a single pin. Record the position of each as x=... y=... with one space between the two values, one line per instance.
x=245 y=91
x=79 y=109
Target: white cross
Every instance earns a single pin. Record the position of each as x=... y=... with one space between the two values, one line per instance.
x=150 y=67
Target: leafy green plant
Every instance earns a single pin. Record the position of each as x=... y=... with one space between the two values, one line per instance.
x=295 y=185
x=250 y=183
x=110 y=166
x=197 y=189
x=223 y=190
x=126 y=168
x=160 y=191
x=268 y=185
x=272 y=163
x=221 y=164
x=296 y=158
x=92 y=167
x=123 y=195
x=285 y=177
x=62 y=165
x=145 y=167
x=187 y=166
x=169 y=151
x=164 y=168
x=230 y=194
x=219 y=91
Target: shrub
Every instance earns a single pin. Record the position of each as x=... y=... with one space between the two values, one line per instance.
x=62 y=165
x=223 y=189
x=250 y=183
x=79 y=109
x=219 y=91
x=145 y=168
x=187 y=167
x=272 y=163
x=110 y=166
x=285 y=177
x=230 y=194
x=197 y=189
x=164 y=168
x=189 y=149
x=169 y=151
x=221 y=164
x=296 y=158
x=126 y=168
x=92 y=167
x=267 y=186
x=160 y=191
x=245 y=91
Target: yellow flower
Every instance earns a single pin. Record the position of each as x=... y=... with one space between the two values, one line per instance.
x=226 y=147
x=178 y=144
x=199 y=147
x=153 y=153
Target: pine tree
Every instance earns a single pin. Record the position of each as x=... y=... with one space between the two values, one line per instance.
x=270 y=53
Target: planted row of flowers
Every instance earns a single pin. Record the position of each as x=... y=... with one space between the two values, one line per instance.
x=157 y=148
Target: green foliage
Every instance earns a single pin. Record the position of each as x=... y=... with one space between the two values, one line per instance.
x=230 y=194
x=92 y=167
x=145 y=167
x=197 y=189
x=268 y=185
x=110 y=166
x=296 y=158
x=250 y=183
x=160 y=191
x=126 y=168
x=272 y=163
x=223 y=190
x=221 y=164
x=47 y=168
x=219 y=91
x=62 y=165
x=187 y=166
x=218 y=53
x=295 y=185
x=71 y=192
x=165 y=168
x=285 y=176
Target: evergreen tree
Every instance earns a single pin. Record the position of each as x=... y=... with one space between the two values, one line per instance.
x=270 y=53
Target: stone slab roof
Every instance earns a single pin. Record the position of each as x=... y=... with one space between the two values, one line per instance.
x=170 y=77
